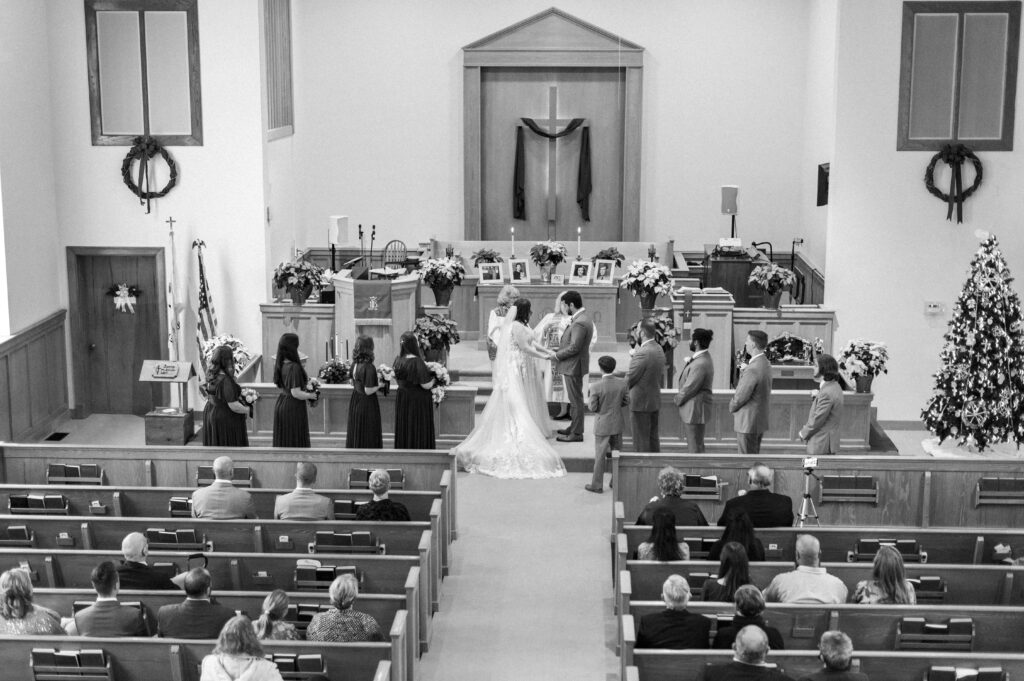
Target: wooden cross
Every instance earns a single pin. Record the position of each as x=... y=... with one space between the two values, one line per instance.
x=551 y=125
x=170 y=224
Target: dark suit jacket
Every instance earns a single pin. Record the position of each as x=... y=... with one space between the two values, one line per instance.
x=221 y=501
x=831 y=675
x=737 y=671
x=192 y=619
x=607 y=397
x=142 y=577
x=765 y=508
x=675 y=629
x=822 y=428
x=573 y=352
x=303 y=504
x=646 y=369
x=110 y=618
x=694 y=396
x=686 y=512
x=726 y=635
x=750 y=405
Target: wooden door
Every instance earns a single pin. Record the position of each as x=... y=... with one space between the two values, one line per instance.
x=109 y=345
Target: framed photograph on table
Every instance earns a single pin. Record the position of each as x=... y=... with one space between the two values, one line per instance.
x=605 y=272
x=579 y=272
x=490 y=273
x=519 y=271
x=557 y=279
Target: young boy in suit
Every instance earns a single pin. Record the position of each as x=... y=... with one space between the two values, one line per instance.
x=607 y=397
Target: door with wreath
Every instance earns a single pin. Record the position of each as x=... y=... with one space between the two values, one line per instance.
x=118 y=319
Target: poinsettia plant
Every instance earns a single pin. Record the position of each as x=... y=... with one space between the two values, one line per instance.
x=486 y=255
x=665 y=332
x=609 y=254
x=434 y=332
x=645 y=277
x=298 y=275
x=771 y=278
x=238 y=350
x=864 y=358
x=548 y=252
x=442 y=272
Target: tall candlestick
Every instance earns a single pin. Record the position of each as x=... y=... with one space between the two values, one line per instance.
x=513 y=229
x=579 y=235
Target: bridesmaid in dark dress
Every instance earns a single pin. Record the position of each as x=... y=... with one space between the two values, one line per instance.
x=364 y=429
x=291 y=415
x=224 y=417
x=414 y=406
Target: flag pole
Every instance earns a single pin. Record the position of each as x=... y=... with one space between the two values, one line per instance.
x=173 y=310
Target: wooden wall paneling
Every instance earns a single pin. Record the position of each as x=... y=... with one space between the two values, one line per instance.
x=6 y=427
x=472 y=152
x=632 y=129
x=21 y=407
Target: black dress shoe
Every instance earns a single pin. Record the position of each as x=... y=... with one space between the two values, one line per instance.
x=563 y=417
x=570 y=438
x=591 y=488
x=563 y=431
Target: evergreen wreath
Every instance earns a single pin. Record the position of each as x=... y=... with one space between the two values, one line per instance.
x=954 y=155
x=144 y=148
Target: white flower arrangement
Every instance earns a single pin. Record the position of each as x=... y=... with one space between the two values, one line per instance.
x=313 y=386
x=238 y=349
x=442 y=380
x=248 y=396
x=864 y=358
x=385 y=373
x=645 y=277
x=548 y=253
x=442 y=272
x=771 y=278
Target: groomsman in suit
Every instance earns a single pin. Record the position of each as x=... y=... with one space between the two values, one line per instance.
x=646 y=369
x=607 y=397
x=573 y=357
x=750 y=405
x=694 y=396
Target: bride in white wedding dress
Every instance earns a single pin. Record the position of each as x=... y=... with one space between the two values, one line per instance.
x=511 y=439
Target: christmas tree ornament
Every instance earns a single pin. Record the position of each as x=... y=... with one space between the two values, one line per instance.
x=975 y=414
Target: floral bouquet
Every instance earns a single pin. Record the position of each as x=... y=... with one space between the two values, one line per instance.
x=441 y=381
x=790 y=349
x=645 y=277
x=313 y=386
x=248 y=398
x=385 y=374
x=335 y=371
x=486 y=255
x=442 y=272
x=548 y=252
x=771 y=278
x=298 y=275
x=864 y=358
x=609 y=254
x=238 y=349
x=665 y=332
x=434 y=332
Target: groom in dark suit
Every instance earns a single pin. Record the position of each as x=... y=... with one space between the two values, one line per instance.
x=573 y=357
x=646 y=370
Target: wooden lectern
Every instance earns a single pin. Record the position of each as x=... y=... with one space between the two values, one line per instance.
x=169 y=425
x=385 y=331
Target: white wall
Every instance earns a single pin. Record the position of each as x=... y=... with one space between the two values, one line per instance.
x=29 y=242
x=219 y=195
x=379 y=112
x=889 y=246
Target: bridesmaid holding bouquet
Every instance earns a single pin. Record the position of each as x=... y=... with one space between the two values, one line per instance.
x=291 y=414
x=224 y=417
x=364 y=426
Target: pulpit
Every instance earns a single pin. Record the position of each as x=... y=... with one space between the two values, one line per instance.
x=382 y=309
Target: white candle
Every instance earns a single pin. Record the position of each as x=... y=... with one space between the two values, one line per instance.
x=513 y=229
x=579 y=236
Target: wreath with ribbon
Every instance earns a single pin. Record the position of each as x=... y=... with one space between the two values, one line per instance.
x=143 y=149
x=954 y=156
x=125 y=296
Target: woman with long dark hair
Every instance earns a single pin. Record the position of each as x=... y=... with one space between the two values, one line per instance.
x=414 y=405
x=364 y=428
x=738 y=528
x=291 y=415
x=224 y=417
x=733 y=572
x=821 y=432
x=662 y=543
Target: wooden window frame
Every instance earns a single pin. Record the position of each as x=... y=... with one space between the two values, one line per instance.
x=279 y=101
x=911 y=10
x=190 y=8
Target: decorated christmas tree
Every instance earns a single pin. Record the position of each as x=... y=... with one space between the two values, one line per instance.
x=979 y=391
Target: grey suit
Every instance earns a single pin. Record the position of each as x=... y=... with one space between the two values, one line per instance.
x=222 y=501
x=751 y=406
x=573 y=357
x=694 y=399
x=110 y=618
x=646 y=369
x=303 y=504
x=822 y=429
x=607 y=397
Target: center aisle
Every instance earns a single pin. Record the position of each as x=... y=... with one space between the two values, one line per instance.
x=529 y=595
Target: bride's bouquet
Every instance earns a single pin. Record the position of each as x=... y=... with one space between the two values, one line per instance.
x=385 y=374
x=313 y=386
x=441 y=381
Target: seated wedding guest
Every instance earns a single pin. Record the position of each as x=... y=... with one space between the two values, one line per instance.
x=197 y=616
x=133 y=572
x=674 y=627
x=888 y=583
x=735 y=572
x=18 y=615
x=107 y=617
x=750 y=609
x=221 y=500
x=382 y=508
x=670 y=482
x=271 y=625
x=303 y=503
x=809 y=583
x=364 y=427
x=836 y=651
x=341 y=623
x=662 y=544
x=765 y=508
x=749 y=660
x=738 y=528
x=238 y=655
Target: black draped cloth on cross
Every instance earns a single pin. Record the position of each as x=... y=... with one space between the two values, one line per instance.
x=583 y=183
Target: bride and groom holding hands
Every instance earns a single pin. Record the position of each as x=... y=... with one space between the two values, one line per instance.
x=512 y=437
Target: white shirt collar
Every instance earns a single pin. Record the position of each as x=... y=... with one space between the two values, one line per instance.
x=218 y=481
x=699 y=353
x=577 y=313
x=649 y=340
x=753 y=357
x=106 y=598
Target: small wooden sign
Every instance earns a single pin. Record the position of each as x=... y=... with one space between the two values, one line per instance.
x=163 y=371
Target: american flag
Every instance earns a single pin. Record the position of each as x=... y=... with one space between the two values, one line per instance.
x=206 y=327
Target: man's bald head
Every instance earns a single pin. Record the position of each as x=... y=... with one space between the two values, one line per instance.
x=751 y=645
x=134 y=547
x=808 y=550
x=223 y=467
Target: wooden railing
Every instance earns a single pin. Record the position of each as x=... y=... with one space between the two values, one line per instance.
x=33 y=380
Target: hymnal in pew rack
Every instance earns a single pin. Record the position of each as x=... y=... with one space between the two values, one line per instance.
x=38 y=504
x=857 y=489
x=965 y=674
x=241 y=476
x=346 y=509
x=293 y=666
x=359 y=478
x=345 y=542
x=179 y=539
x=866 y=549
x=998 y=491
x=17 y=536
x=311 y=575
x=49 y=664
x=914 y=633
x=74 y=474
x=706 y=487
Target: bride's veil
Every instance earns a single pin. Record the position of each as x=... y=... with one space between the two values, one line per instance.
x=502 y=360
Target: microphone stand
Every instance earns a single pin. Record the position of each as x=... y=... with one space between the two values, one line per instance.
x=360 y=241
x=373 y=236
